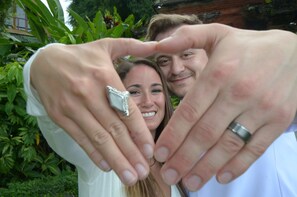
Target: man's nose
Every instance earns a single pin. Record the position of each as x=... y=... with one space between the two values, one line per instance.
x=177 y=66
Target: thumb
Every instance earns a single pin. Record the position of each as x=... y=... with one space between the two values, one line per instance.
x=202 y=36
x=118 y=47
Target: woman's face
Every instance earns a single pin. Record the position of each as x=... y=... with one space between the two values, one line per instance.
x=145 y=87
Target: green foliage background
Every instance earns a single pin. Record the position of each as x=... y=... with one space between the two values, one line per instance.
x=24 y=153
x=141 y=9
x=4 y=6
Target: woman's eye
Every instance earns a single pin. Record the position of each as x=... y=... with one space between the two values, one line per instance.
x=156 y=91
x=134 y=92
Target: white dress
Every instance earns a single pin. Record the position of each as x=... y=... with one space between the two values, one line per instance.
x=92 y=182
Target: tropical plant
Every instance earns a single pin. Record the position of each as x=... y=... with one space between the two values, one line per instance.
x=141 y=9
x=24 y=154
x=48 y=25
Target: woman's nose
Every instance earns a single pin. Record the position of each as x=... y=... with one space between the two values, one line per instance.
x=147 y=100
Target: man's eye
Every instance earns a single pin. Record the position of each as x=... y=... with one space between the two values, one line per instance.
x=187 y=54
x=163 y=61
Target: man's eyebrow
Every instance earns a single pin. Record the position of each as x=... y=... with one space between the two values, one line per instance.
x=161 y=55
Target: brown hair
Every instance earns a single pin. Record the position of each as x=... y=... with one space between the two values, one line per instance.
x=148 y=187
x=161 y=23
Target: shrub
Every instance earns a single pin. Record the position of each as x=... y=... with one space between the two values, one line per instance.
x=62 y=185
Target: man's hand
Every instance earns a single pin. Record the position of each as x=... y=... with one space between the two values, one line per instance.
x=250 y=78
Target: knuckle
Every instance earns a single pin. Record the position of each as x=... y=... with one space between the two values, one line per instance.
x=172 y=136
x=55 y=114
x=82 y=141
x=221 y=73
x=280 y=113
x=284 y=114
x=79 y=86
x=100 y=138
x=185 y=160
x=239 y=165
x=117 y=129
x=243 y=89
x=255 y=150
x=205 y=133
x=102 y=74
x=267 y=103
x=66 y=104
x=231 y=144
x=209 y=167
x=188 y=112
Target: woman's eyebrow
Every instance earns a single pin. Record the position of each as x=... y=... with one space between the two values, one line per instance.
x=134 y=85
x=156 y=84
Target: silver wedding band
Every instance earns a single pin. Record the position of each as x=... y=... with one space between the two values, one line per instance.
x=242 y=132
x=118 y=100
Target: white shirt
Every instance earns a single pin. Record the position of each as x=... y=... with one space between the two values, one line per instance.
x=274 y=174
x=92 y=182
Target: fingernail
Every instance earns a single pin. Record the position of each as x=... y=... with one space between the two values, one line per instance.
x=170 y=176
x=141 y=171
x=193 y=183
x=103 y=165
x=162 y=154
x=225 y=178
x=128 y=178
x=148 y=151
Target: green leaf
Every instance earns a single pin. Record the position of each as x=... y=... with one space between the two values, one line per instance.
x=130 y=20
x=6 y=163
x=80 y=21
x=54 y=169
x=118 y=31
x=56 y=9
x=28 y=153
x=37 y=30
x=4 y=48
x=11 y=92
x=6 y=148
x=8 y=108
x=38 y=159
x=71 y=38
x=40 y=10
x=89 y=36
x=100 y=25
x=20 y=110
x=16 y=140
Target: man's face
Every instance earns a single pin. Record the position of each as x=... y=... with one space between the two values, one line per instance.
x=181 y=69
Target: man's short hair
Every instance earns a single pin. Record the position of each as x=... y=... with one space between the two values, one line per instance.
x=161 y=23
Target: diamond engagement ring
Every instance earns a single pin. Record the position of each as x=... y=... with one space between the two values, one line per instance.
x=118 y=100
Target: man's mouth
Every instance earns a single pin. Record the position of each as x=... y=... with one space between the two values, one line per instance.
x=179 y=78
